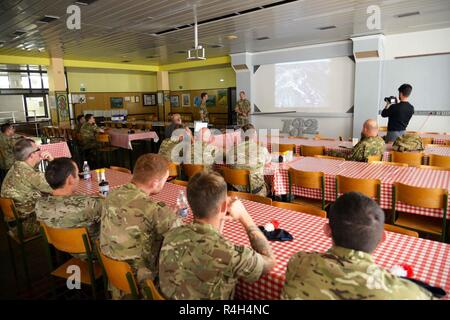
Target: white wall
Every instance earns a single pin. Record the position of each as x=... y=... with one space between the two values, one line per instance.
x=12 y=103
x=424 y=123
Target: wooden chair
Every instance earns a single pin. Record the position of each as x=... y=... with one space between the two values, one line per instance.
x=310 y=180
x=298 y=137
x=319 y=137
x=192 y=169
x=73 y=241
x=396 y=229
x=310 y=151
x=368 y=187
x=251 y=197
x=120 y=169
x=382 y=128
x=432 y=198
x=433 y=168
x=119 y=273
x=240 y=177
x=174 y=171
x=387 y=163
x=410 y=158
x=426 y=141
x=439 y=161
x=374 y=158
x=447 y=142
x=329 y=157
x=104 y=140
x=284 y=147
x=301 y=208
x=179 y=182
x=151 y=291
x=10 y=217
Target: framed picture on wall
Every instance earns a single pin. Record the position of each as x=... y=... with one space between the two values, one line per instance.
x=185 y=100
x=160 y=100
x=149 y=99
x=174 y=101
x=116 y=102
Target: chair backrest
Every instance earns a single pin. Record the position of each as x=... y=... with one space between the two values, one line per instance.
x=67 y=240
x=120 y=169
x=433 y=167
x=148 y=126
x=285 y=147
x=103 y=138
x=368 y=187
x=329 y=157
x=240 y=177
x=179 y=182
x=173 y=169
x=433 y=198
x=310 y=151
x=298 y=137
x=426 y=141
x=382 y=128
x=251 y=197
x=306 y=179
x=153 y=291
x=8 y=208
x=192 y=169
x=410 y=158
x=376 y=157
x=119 y=273
x=396 y=229
x=387 y=163
x=447 y=142
x=301 y=208
x=439 y=161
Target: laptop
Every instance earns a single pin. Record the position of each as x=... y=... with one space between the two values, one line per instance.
x=198 y=125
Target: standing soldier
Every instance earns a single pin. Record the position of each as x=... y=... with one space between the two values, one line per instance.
x=25 y=184
x=7 y=140
x=243 y=108
x=203 y=110
x=133 y=226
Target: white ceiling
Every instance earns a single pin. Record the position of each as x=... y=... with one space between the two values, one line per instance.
x=117 y=30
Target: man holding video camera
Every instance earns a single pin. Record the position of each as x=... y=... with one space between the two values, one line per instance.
x=399 y=113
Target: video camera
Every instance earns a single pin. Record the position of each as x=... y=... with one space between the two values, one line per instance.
x=391 y=100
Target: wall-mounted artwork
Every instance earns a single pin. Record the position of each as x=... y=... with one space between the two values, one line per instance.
x=211 y=102
x=186 y=100
x=62 y=104
x=149 y=99
x=222 y=97
x=116 y=102
x=78 y=98
x=174 y=101
x=197 y=101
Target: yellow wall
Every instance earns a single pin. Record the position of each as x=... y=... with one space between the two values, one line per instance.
x=202 y=79
x=98 y=80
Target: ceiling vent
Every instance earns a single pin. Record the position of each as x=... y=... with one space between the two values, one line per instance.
x=408 y=14
x=48 y=19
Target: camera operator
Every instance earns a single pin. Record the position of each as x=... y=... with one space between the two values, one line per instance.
x=398 y=113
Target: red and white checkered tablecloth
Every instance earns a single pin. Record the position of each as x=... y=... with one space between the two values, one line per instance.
x=227 y=140
x=121 y=138
x=388 y=175
x=114 y=178
x=430 y=259
x=57 y=150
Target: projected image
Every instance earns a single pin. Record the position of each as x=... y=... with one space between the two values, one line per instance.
x=302 y=84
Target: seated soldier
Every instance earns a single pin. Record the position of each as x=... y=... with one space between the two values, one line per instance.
x=63 y=209
x=347 y=270
x=408 y=142
x=132 y=224
x=202 y=150
x=8 y=138
x=80 y=121
x=251 y=156
x=25 y=184
x=171 y=148
x=196 y=261
x=88 y=132
x=369 y=145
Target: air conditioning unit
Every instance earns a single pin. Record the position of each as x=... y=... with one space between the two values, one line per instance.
x=197 y=53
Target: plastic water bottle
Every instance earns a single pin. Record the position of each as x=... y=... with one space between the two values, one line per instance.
x=86 y=171
x=182 y=205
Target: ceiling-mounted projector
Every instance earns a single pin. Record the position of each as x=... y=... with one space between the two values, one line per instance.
x=196 y=53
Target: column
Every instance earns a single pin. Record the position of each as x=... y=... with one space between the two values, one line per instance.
x=163 y=86
x=57 y=83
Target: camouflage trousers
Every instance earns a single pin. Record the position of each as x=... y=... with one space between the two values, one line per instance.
x=242 y=121
x=30 y=226
x=257 y=183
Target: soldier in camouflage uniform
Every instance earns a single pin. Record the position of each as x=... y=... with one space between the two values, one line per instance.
x=25 y=184
x=408 y=142
x=202 y=150
x=243 y=108
x=347 y=270
x=63 y=209
x=369 y=145
x=7 y=140
x=172 y=148
x=88 y=133
x=196 y=261
x=133 y=226
x=249 y=155
x=203 y=110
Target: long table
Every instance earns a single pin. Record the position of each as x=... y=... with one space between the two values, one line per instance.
x=121 y=138
x=430 y=259
x=57 y=150
x=437 y=137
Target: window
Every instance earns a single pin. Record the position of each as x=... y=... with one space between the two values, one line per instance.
x=4 y=80
x=45 y=80
x=35 y=106
x=36 y=82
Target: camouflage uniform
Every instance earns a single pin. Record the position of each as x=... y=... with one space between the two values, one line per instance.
x=204 y=111
x=6 y=151
x=203 y=153
x=196 y=262
x=88 y=139
x=342 y=274
x=167 y=146
x=251 y=156
x=366 y=147
x=133 y=228
x=408 y=142
x=245 y=107
x=25 y=185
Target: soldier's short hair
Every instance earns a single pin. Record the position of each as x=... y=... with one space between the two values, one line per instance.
x=205 y=192
x=203 y=95
x=5 y=127
x=79 y=118
x=58 y=171
x=356 y=222
x=88 y=117
x=23 y=149
x=405 y=89
x=150 y=166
